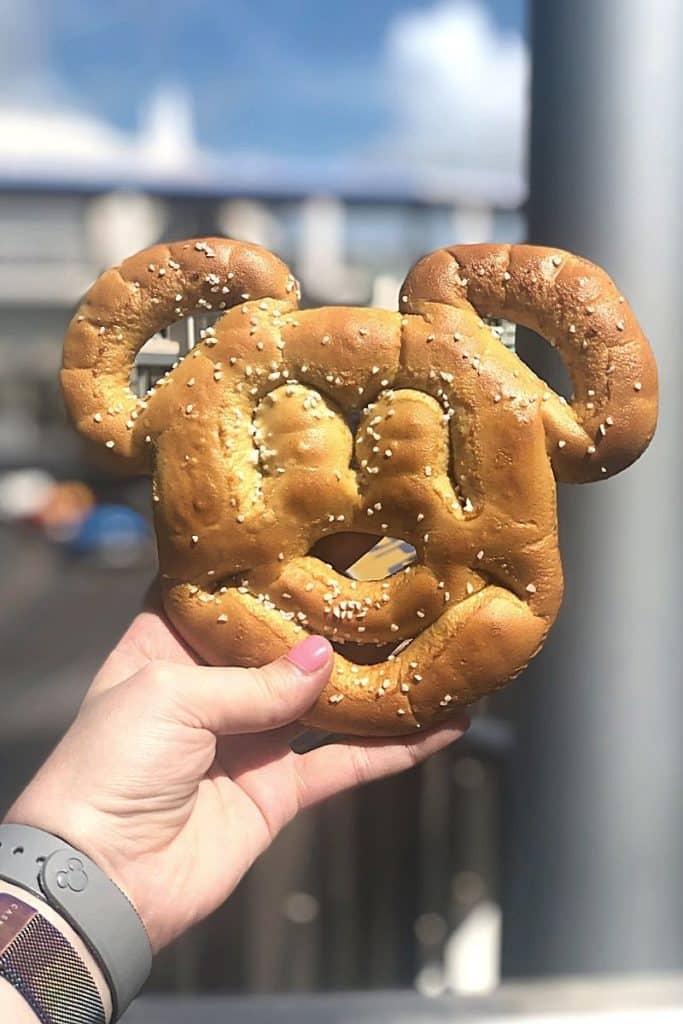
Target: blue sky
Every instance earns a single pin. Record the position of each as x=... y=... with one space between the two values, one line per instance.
x=302 y=77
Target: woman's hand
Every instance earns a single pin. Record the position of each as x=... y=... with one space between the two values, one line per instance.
x=175 y=776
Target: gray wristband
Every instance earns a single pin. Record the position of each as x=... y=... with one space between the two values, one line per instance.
x=92 y=904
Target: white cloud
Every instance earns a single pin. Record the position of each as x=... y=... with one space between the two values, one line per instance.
x=39 y=123
x=44 y=128
x=458 y=86
x=61 y=141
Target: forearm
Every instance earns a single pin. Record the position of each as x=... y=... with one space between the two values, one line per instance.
x=17 y=1009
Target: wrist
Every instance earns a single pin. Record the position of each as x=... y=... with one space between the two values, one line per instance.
x=74 y=940
x=77 y=826
x=85 y=899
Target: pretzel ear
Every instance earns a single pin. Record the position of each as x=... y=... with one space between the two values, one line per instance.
x=576 y=307
x=130 y=303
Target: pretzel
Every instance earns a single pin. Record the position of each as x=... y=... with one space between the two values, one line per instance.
x=457 y=452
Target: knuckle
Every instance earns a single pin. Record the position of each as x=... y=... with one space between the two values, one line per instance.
x=158 y=677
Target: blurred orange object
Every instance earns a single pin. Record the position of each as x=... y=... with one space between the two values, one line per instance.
x=67 y=505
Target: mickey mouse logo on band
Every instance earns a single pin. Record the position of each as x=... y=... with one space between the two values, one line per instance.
x=457 y=451
x=74 y=877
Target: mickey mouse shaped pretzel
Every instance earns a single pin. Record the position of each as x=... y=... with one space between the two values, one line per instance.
x=457 y=451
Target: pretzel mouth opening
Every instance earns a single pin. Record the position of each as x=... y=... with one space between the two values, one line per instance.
x=364 y=556
x=365 y=654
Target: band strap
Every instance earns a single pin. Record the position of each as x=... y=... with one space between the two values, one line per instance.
x=92 y=904
x=43 y=967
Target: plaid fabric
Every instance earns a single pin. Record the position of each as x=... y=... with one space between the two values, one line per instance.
x=50 y=975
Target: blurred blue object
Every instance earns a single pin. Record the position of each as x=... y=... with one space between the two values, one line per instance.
x=115 y=534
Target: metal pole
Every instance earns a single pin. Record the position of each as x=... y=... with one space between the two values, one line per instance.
x=595 y=839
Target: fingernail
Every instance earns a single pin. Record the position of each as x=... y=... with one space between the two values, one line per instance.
x=311 y=654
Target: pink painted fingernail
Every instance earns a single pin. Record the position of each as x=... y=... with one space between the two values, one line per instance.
x=311 y=654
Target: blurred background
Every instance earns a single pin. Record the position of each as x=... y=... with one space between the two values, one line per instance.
x=352 y=138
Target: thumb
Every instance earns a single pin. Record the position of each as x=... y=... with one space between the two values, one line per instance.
x=236 y=700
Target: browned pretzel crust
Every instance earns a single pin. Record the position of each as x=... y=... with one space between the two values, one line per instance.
x=457 y=449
